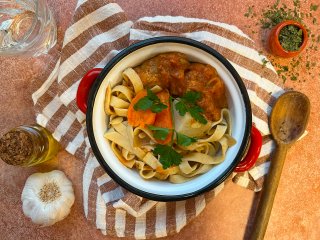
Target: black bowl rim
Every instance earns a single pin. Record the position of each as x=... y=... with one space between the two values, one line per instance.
x=181 y=40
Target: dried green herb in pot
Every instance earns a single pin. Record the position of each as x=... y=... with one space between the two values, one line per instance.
x=291 y=38
x=291 y=10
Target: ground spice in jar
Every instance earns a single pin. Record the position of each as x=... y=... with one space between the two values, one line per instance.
x=291 y=38
x=16 y=147
x=27 y=146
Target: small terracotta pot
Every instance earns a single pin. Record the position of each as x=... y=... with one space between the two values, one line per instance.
x=274 y=42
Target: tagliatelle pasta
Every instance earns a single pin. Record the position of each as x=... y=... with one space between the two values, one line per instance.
x=134 y=146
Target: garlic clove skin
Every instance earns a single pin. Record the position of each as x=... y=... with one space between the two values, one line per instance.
x=47 y=197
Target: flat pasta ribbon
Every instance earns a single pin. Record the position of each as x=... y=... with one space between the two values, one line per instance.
x=131 y=76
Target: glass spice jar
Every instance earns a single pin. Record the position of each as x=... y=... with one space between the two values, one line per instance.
x=27 y=146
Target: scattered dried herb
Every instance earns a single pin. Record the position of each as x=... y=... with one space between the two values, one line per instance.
x=282 y=69
x=291 y=38
x=264 y=62
x=314 y=20
x=284 y=78
x=313 y=7
x=308 y=65
x=278 y=12
x=293 y=78
x=250 y=12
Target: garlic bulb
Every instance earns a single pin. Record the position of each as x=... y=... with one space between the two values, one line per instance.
x=47 y=197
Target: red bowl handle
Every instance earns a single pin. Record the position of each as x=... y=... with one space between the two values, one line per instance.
x=84 y=88
x=253 y=152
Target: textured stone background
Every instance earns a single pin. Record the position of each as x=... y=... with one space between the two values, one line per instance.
x=296 y=212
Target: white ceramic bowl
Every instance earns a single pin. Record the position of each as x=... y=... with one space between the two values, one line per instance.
x=238 y=102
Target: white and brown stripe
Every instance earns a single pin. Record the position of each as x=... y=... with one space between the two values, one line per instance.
x=98 y=31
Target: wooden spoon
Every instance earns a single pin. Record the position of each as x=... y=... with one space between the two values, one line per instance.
x=288 y=122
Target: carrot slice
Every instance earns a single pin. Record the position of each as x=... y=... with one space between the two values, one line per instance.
x=164 y=118
x=140 y=118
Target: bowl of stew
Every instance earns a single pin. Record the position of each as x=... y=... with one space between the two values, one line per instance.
x=154 y=113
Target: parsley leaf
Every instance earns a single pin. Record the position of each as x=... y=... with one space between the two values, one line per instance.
x=187 y=103
x=159 y=133
x=143 y=104
x=151 y=95
x=181 y=108
x=196 y=114
x=151 y=101
x=184 y=140
x=168 y=156
x=191 y=96
x=158 y=107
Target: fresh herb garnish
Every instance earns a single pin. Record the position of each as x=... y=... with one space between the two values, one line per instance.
x=143 y=104
x=196 y=113
x=184 y=140
x=291 y=38
x=168 y=156
x=191 y=96
x=181 y=108
x=187 y=103
x=162 y=133
x=158 y=107
x=151 y=101
x=159 y=132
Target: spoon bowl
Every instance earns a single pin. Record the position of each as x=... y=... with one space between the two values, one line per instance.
x=289 y=117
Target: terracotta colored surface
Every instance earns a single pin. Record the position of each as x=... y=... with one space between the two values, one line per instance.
x=296 y=212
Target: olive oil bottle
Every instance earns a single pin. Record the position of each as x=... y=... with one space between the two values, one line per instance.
x=27 y=146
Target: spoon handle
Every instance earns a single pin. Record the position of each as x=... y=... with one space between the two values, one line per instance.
x=268 y=193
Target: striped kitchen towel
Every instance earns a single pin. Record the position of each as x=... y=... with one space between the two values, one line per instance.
x=99 y=30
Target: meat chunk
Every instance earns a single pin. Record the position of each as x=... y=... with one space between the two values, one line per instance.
x=166 y=70
x=205 y=79
x=174 y=72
